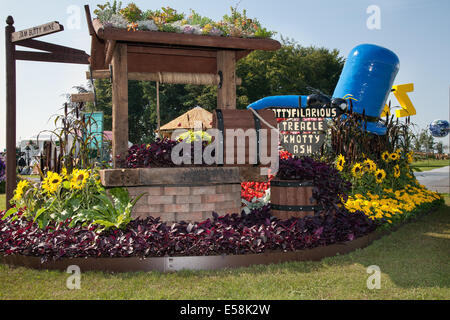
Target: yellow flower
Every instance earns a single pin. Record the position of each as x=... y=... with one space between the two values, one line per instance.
x=385 y=156
x=79 y=179
x=370 y=166
x=396 y=171
x=340 y=161
x=380 y=174
x=394 y=156
x=410 y=157
x=207 y=29
x=19 y=190
x=64 y=173
x=52 y=182
x=357 y=170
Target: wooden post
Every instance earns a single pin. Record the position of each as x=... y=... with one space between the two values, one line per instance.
x=226 y=64
x=10 y=112
x=119 y=102
x=158 y=112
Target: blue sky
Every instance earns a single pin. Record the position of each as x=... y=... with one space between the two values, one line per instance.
x=418 y=31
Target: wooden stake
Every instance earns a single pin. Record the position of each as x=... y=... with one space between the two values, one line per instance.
x=226 y=95
x=119 y=103
x=158 y=114
x=10 y=112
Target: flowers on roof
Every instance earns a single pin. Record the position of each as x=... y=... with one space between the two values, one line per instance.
x=167 y=19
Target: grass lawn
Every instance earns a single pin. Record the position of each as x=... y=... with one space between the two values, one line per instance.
x=425 y=165
x=414 y=262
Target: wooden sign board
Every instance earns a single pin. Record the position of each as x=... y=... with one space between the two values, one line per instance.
x=82 y=97
x=38 y=31
x=303 y=130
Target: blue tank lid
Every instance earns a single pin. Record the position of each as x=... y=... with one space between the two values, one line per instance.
x=374 y=53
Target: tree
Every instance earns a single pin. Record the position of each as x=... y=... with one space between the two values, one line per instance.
x=424 y=141
x=291 y=70
x=440 y=147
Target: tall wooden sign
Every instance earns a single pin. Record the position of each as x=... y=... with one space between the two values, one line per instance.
x=51 y=53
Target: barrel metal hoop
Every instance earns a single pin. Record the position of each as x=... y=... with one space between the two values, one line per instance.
x=258 y=137
x=293 y=208
x=278 y=183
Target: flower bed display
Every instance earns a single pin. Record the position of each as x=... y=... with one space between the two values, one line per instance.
x=231 y=234
x=385 y=190
x=90 y=214
x=75 y=198
x=132 y=18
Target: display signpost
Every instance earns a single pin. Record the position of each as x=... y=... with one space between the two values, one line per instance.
x=303 y=130
x=49 y=53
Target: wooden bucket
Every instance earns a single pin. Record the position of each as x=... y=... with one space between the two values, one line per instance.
x=244 y=119
x=292 y=199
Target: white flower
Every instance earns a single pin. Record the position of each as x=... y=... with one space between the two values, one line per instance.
x=149 y=25
x=117 y=21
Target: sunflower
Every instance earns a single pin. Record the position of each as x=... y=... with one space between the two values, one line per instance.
x=52 y=182
x=357 y=170
x=64 y=173
x=385 y=156
x=340 y=161
x=394 y=156
x=79 y=179
x=380 y=174
x=410 y=157
x=19 y=190
x=369 y=165
x=396 y=171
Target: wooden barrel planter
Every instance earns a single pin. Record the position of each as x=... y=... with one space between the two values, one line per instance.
x=245 y=120
x=292 y=199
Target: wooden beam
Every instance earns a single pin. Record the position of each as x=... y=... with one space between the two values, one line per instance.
x=78 y=58
x=82 y=97
x=97 y=59
x=49 y=47
x=110 y=45
x=242 y=54
x=173 y=51
x=100 y=74
x=226 y=64
x=166 y=77
x=119 y=102
x=87 y=11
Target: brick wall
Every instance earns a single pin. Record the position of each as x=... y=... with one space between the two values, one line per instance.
x=191 y=203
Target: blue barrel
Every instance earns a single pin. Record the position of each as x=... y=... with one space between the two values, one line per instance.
x=367 y=78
